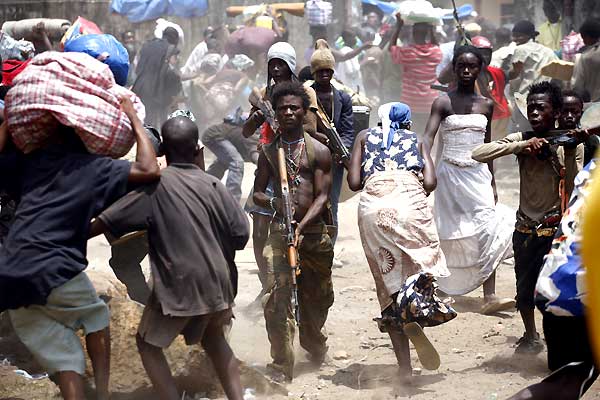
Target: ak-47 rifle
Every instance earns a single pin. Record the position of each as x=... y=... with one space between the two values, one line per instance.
x=464 y=38
x=290 y=233
x=335 y=143
x=265 y=106
x=562 y=137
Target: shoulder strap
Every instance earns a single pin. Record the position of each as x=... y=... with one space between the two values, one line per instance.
x=310 y=151
x=269 y=151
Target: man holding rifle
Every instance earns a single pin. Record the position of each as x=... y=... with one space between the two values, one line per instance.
x=335 y=108
x=308 y=175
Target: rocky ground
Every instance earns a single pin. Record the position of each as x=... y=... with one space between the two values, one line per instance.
x=477 y=351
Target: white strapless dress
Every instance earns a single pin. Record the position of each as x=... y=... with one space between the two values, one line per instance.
x=475 y=234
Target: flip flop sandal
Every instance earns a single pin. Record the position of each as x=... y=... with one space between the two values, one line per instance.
x=498 y=305
x=428 y=355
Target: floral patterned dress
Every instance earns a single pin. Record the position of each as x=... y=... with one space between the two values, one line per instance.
x=396 y=224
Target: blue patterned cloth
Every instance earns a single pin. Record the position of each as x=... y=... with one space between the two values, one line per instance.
x=560 y=287
x=403 y=154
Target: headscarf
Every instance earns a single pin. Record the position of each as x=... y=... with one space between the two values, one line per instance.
x=322 y=58
x=283 y=51
x=241 y=62
x=211 y=63
x=393 y=116
x=182 y=113
x=481 y=42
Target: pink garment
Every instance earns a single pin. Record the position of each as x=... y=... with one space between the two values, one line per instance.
x=570 y=44
x=418 y=63
x=75 y=90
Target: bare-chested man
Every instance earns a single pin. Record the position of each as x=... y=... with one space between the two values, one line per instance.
x=309 y=175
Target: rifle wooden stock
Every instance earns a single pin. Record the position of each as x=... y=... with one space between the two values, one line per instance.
x=290 y=235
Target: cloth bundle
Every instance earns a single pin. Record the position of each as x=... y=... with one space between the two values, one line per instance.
x=249 y=40
x=75 y=90
x=11 y=49
x=419 y=11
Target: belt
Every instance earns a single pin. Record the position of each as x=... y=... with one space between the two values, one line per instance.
x=540 y=232
x=315 y=228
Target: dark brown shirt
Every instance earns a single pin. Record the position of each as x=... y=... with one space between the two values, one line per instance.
x=194 y=227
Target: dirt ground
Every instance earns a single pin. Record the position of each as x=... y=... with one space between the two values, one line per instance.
x=477 y=351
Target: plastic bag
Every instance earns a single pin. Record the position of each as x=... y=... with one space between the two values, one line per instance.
x=104 y=48
x=80 y=27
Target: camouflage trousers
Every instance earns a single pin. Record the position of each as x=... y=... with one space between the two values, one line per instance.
x=315 y=296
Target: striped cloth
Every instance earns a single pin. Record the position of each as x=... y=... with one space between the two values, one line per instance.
x=419 y=62
x=319 y=12
x=75 y=90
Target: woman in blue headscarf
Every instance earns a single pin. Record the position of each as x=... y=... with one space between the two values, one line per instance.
x=398 y=232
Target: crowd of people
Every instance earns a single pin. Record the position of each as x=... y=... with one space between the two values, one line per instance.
x=457 y=100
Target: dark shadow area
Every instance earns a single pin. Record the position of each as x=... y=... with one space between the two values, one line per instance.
x=360 y=376
x=528 y=366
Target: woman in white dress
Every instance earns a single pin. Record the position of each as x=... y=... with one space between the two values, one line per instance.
x=475 y=234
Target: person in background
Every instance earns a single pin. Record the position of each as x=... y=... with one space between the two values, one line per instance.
x=418 y=61
x=348 y=72
x=43 y=285
x=371 y=67
x=585 y=75
x=551 y=32
x=158 y=82
x=337 y=105
x=194 y=228
x=192 y=66
x=505 y=47
x=492 y=84
x=130 y=44
x=320 y=32
x=527 y=60
x=227 y=143
x=570 y=117
x=373 y=22
x=546 y=181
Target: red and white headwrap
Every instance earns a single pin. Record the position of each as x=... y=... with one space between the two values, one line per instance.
x=481 y=42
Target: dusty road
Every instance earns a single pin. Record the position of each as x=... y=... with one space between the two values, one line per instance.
x=477 y=351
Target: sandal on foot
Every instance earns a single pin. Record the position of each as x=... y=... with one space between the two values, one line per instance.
x=428 y=355
x=497 y=305
x=529 y=345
